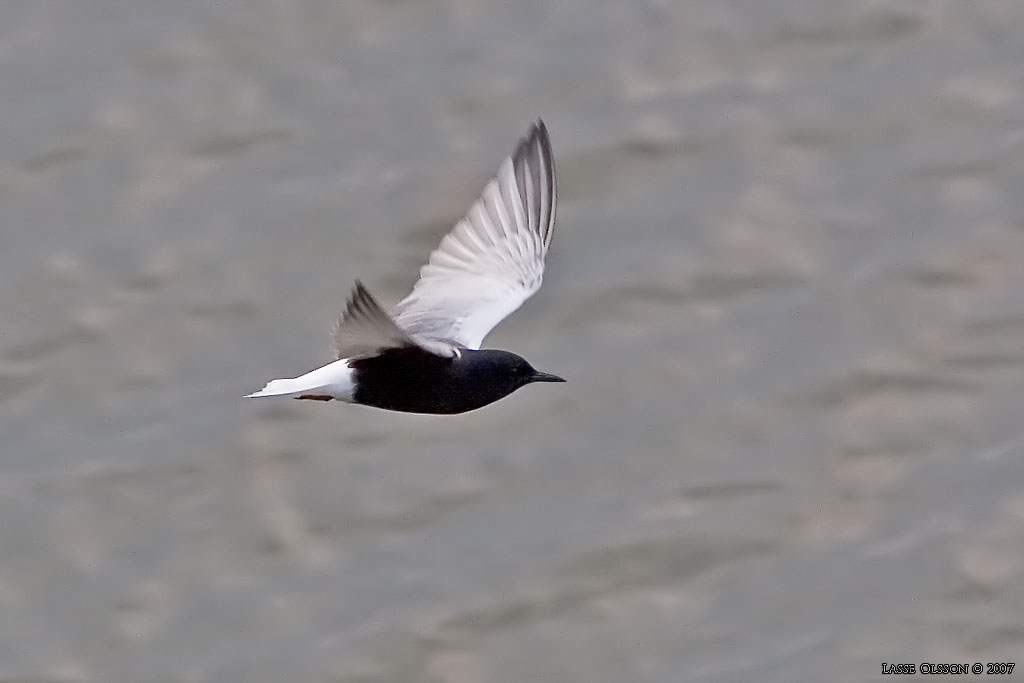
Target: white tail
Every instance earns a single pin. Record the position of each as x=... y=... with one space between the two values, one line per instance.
x=282 y=387
x=334 y=380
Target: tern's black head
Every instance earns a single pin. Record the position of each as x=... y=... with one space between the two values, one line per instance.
x=415 y=381
x=503 y=369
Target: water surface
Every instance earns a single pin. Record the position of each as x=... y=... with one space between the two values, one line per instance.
x=785 y=289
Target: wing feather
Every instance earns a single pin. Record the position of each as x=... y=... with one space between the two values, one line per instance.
x=493 y=259
x=365 y=329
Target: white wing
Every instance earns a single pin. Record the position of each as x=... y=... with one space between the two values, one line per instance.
x=493 y=259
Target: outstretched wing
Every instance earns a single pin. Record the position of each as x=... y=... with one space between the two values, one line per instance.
x=493 y=259
x=364 y=329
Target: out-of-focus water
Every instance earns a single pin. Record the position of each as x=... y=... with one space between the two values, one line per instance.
x=786 y=289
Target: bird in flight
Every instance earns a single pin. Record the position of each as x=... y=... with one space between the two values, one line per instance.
x=426 y=357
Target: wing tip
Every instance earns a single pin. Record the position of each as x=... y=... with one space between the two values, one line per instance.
x=534 y=153
x=538 y=128
x=359 y=291
x=536 y=137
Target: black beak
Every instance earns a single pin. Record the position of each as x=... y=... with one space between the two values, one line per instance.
x=545 y=377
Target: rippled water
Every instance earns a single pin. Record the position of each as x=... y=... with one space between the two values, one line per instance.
x=785 y=288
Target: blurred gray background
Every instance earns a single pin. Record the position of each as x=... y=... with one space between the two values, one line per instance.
x=786 y=289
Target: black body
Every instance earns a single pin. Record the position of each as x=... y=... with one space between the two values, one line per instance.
x=412 y=380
